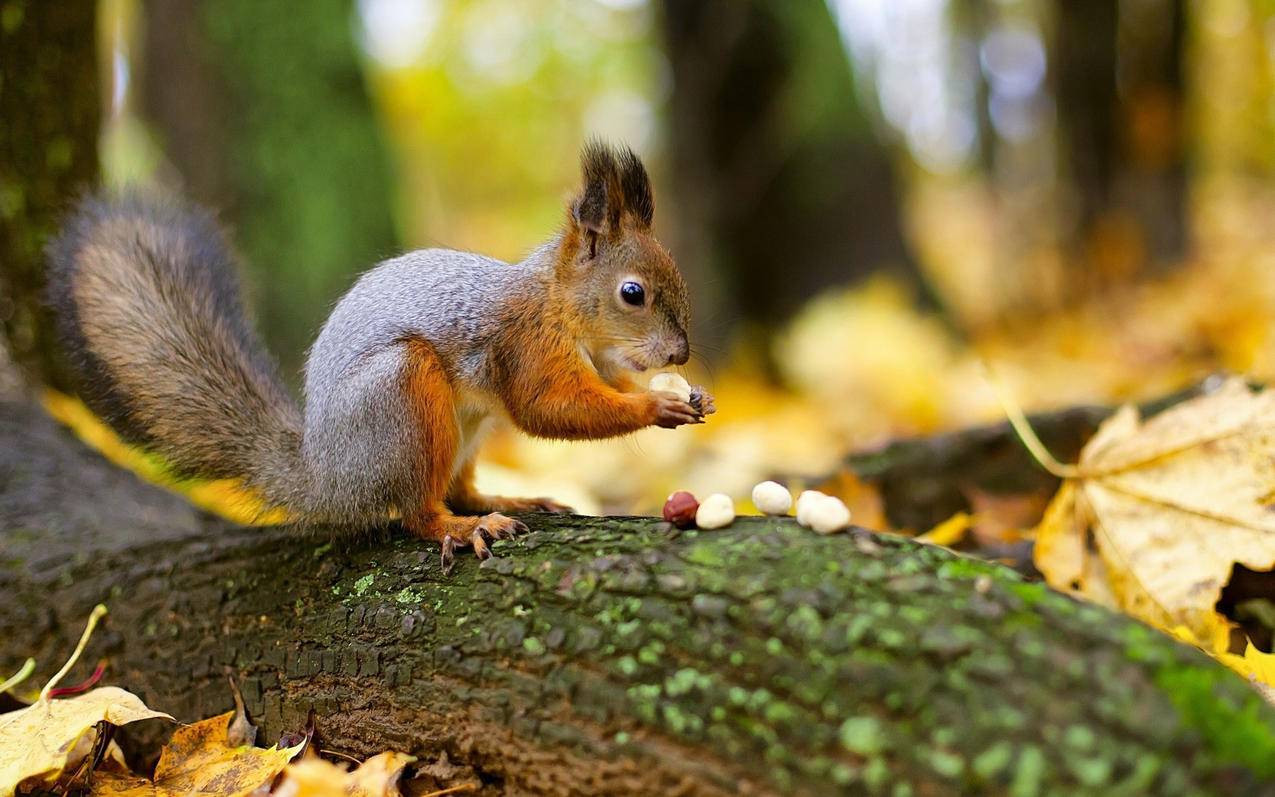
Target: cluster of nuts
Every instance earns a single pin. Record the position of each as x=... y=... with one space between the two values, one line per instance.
x=823 y=513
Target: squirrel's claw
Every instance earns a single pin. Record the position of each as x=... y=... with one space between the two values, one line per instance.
x=448 y=559
x=478 y=533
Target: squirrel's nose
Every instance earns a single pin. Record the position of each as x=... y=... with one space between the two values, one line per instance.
x=681 y=351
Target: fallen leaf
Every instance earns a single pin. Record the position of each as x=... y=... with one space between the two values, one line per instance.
x=36 y=741
x=950 y=531
x=1255 y=665
x=1156 y=514
x=314 y=777
x=200 y=759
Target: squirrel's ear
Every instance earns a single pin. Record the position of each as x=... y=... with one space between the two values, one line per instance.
x=597 y=209
x=635 y=187
x=590 y=208
x=614 y=184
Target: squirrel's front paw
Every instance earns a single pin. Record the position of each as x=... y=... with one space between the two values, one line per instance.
x=669 y=412
x=702 y=400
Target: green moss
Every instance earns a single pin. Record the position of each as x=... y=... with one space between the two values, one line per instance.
x=1029 y=773
x=1234 y=730
x=992 y=761
x=946 y=764
x=409 y=595
x=862 y=735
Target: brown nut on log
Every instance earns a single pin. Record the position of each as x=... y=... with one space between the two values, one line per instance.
x=680 y=508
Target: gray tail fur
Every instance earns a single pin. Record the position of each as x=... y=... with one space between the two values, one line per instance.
x=148 y=305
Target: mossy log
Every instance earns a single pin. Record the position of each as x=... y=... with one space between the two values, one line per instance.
x=616 y=655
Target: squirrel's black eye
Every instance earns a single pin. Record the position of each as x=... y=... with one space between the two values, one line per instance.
x=633 y=294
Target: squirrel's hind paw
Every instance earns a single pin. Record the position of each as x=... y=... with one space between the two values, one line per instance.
x=454 y=532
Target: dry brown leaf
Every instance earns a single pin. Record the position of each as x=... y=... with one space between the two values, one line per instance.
x=200 y=759
x=1159 y=512
x=37 y=741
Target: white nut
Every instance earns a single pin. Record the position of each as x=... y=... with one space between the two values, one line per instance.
x=670 y=383
x=805 y=501
x=772 y=498
x=828 y=514
x=715 y=512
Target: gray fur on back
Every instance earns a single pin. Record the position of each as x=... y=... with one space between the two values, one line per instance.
x=360 y=443
x=148 y=304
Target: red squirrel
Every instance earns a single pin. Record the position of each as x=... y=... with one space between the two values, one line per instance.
x=413 y=366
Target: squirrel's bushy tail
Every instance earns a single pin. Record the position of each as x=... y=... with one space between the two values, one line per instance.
x=148 y=303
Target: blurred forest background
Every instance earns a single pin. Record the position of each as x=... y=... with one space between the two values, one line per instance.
x=869 y=198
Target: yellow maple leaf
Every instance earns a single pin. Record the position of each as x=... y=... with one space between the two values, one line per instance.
x=1255 y=665
x=1156 y=514
x=201 y=759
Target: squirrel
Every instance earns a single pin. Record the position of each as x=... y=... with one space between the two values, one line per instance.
x=411 y=369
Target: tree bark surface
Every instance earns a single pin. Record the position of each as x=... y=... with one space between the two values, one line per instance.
x=615 y=655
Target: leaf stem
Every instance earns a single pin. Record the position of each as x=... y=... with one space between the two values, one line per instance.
x=98 y=612
x=1023 y=428
x=18 y=677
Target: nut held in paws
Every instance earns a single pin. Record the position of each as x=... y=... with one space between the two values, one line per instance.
x=680 y=508
x=670 y=383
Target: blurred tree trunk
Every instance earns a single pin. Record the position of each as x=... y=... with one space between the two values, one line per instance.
x=263 y=111
x=782 y=188
x=51 y=115
x=1085 y=92
x=1153 y=97
x=1119 y=90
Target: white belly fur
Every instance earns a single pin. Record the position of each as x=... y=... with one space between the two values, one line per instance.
x=476 y=414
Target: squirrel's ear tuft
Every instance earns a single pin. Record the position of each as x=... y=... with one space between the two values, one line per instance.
x=595 y=207
x=636 y=188
x=614 y=183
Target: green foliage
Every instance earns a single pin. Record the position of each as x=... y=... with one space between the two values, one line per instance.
x=490 y=117
x=310 y=170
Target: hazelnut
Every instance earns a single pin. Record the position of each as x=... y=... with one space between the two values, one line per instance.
x=680 y=508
